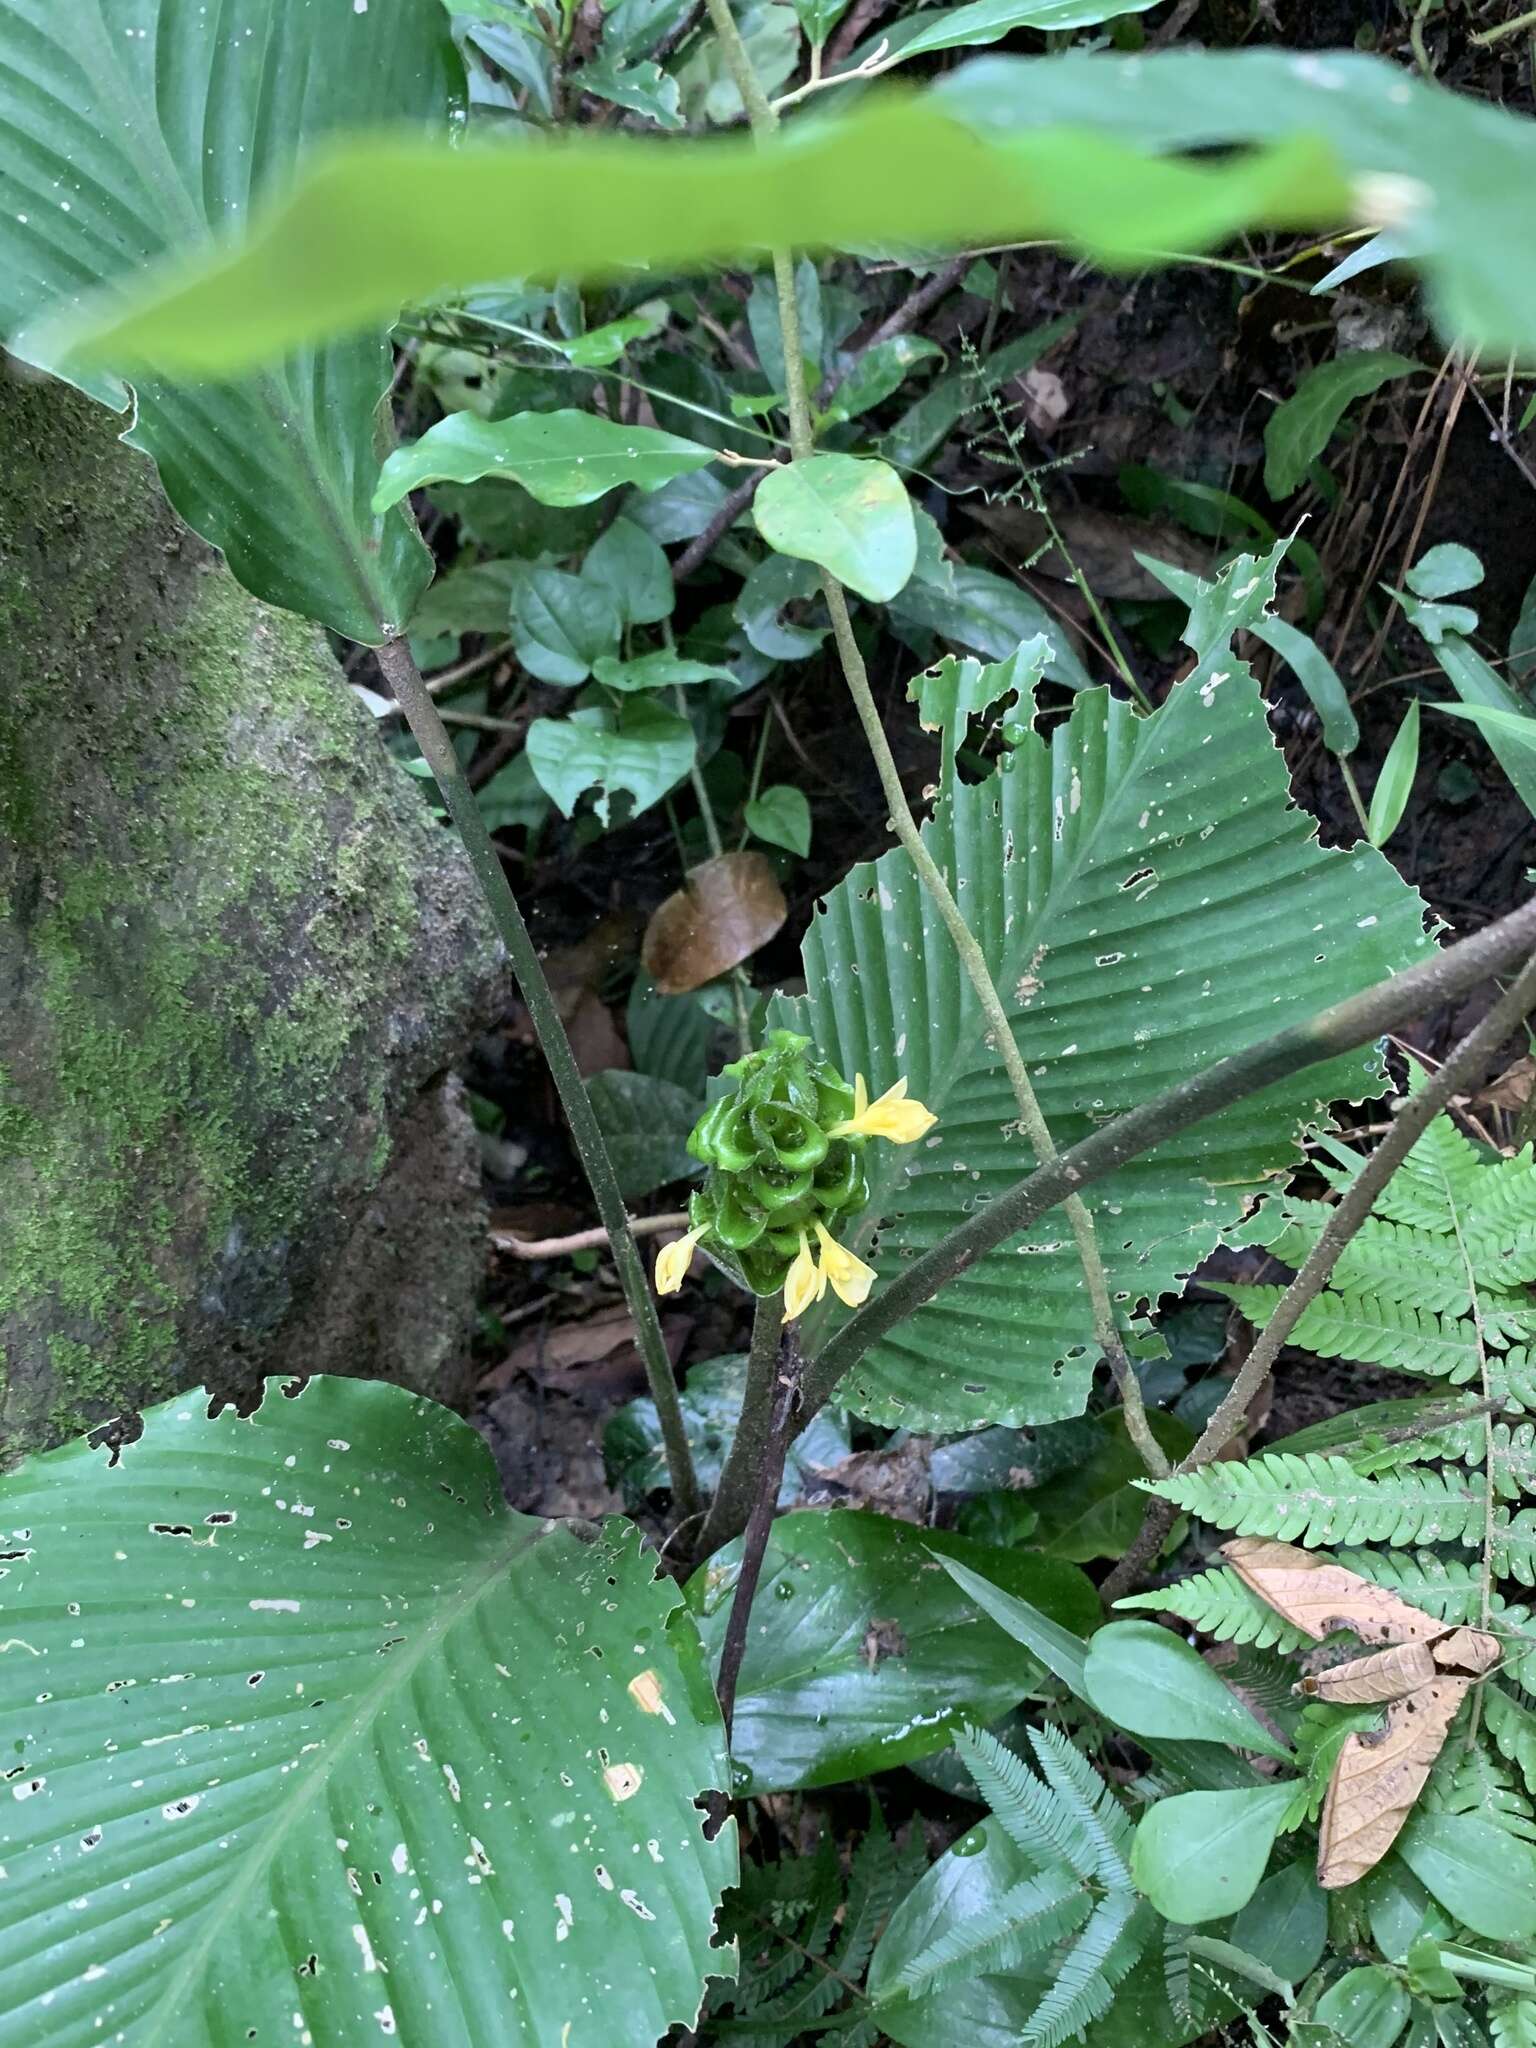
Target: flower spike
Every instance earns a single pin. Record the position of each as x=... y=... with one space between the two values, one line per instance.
x=804 y=1283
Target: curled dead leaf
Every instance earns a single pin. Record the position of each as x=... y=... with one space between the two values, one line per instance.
x=727 y=908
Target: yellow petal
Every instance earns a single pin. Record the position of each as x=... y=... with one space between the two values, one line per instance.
x=890 y=1116
x=673 y=1261
x=851 y=1279
x=803 y=1283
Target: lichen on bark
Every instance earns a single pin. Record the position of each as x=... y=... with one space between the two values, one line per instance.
x=234 y=953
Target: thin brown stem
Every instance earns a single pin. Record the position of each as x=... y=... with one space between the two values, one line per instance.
x=592 y=1240
x=399 y=667
x=748 y=1454
x=781 y=1434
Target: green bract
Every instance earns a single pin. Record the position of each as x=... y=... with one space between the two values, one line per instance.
x=775 y=1170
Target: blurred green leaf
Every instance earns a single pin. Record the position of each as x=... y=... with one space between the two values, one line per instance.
x=660 y=671
x=1484 y=693
x=1483 y=1876
x=1301 y=427
x=669 y=1036
x=635 y=1457
x=879 y=371
x=645 y=751
x=562 y=458
x=928 y=421
x=1367 y=2007
x=378 y=223
x=769 y=590
x=1318 y=677
x=645 y=89
x=1394 y=785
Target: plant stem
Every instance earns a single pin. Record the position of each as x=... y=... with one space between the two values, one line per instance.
x=782 y=1430
x=1462 y=1066
x=1338 y=1029
x=398 y=665
x=739 y=1481
x=764 y=121
x=1506 y=28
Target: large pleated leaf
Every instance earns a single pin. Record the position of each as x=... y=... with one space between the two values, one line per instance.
x=309 y=1739
x=1148 y=900
x=133 y=128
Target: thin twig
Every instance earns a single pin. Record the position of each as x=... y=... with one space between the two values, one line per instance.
x=724 y=517
x=900 y=320
x=593 y=1240
x=1462 y=1068
x=398 y=665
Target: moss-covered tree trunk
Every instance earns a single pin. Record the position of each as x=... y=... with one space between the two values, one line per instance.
x=237 y=960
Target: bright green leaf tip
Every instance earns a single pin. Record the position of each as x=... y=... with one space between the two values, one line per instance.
x=385 y=221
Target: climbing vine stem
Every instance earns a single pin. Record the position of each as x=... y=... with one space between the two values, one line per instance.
x=399 y=667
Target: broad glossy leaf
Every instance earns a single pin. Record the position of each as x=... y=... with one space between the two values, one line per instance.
x=988 y=21
x=1144 y=1679
x=1367 y=2007
x=1148 y=899
x=1394 y=785
x=560 y=458
x=850 y=517
x=1285 y=1923
x=635 y=1457
x=382 y=222
x=325 y=1730
x=1481 y=1874
x=645 y=1124
x=1300 y=429
x=862 y=1652
x=562 y=624
x=782 y=816
x=131 y=128
x=644 y=751
x=628 y=563
x=1200 y=1855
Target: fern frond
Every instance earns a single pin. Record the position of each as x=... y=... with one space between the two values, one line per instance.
x=1449 y=1587
x=1027 y=1919
x=1106 y=1951
x=1511 y=2020
x=1314 y=1499
x=1473 y=1779
x=1512 y=1378
x=1040 y=1824
x=1415 y=1267
x=1383 y=1435
x=1218 y=1604
x=1080 y=1788
x=1176 y=1971
x=1513 y=1452
x=1371 y=1330
x=1512 y=1726
x=880 y=1875
x=1443 y=1167
x=1513 y=1548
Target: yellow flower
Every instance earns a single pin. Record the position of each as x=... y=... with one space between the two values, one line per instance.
x=803 y=1283
x=850 y=1278
x=673 y=1261
x=892 y=1116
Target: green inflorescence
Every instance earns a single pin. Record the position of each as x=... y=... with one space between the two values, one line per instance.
x=775 y=1167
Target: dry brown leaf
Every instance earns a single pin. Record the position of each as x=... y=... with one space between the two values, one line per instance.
x=727 y=908
x=1318 y=1597
x=1512 y=1089
x=1383 y=1675
x=1378 y=1777
x=1467 y=1651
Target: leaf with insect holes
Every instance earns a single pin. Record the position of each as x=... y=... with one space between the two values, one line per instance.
x=850 y=517
x=644 y=750
x=310 y=1675
x=1115 y=879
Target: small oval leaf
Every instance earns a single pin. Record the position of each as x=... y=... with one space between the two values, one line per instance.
x=1200 y=1855
x=852 y=518
x=1149 y=1683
